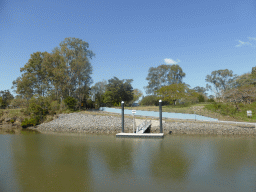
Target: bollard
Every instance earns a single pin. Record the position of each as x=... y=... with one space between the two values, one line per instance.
x=122 y=104
x=160 y=116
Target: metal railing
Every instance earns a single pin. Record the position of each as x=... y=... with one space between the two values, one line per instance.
x=143 y=126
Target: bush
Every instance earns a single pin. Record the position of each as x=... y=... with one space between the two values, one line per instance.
x=201 y=98
x=210 y=100
x=29 y=122
x=216 y=106
x=149 y=100
x=89 y=104
x=70 y=102
x=54 y=107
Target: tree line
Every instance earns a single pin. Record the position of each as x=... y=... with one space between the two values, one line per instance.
x=62 y=79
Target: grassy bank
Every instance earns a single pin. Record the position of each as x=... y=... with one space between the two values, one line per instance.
x=223 y=112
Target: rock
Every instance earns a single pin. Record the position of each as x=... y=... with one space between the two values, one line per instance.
x=8 y=119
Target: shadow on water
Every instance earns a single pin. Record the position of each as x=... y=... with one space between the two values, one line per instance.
x=29 y=131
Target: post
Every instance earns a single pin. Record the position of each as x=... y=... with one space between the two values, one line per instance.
x=133 y=114
x=160 y=116
x=122 y=104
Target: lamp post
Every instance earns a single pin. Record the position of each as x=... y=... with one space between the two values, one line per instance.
x=133 y=114
x=160 y=116
x=122 y=104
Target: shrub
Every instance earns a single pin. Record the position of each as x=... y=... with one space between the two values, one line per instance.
x=210 y=100
x=89 y=104
x=149 y=100
x=70 y=102
x=201 y=98
x=216 y=106
x=54 y=107
x=29 y=122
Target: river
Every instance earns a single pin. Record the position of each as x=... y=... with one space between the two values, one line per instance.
x=77 y=162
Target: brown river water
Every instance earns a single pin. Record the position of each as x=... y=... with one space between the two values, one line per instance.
x=73 y=162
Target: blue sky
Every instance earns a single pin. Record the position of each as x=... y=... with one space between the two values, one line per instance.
x=129 y=37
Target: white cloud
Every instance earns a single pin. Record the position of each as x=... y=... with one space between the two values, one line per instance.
x=244 y=43
x=170 y=61
x=252 y=38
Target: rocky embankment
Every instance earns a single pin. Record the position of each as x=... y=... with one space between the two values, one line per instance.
x=87 y=123
x=10 y=125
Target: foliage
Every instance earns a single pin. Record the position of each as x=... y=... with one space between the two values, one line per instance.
x=5 y=98
x=38 y=108
x=64 y=72
x=34 y=77
x=222 y=80
x=244 y=94
x=201 y=90
x=172 y=93
x=149 y=100
x=210 y=100
x=201 y=98
x=76 y=57
x=29 y=122
x=98 y=90
x=163 y=75
x=118 y=91
x=136 y=95
x=18 y=102
x=54 y=107
x=70 y=102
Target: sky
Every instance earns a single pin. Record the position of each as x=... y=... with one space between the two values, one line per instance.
x=129 y=37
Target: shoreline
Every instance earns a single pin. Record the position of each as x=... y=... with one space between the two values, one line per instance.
x=110 y=123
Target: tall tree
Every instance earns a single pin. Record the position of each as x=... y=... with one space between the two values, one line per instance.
x=163 y=75
x=221 y=79
x=118 y=90
x=76 y=57
x=56 y=69
x=34 y=77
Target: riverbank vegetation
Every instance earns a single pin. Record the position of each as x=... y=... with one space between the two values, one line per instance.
x=60 y=82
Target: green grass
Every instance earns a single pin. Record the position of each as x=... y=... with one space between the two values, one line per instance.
x=229 y=110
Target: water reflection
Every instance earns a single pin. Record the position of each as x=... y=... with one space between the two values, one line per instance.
x=170 y=162
x=233 y=153
x=51 y=164
x=117 y=155
x=40 y=162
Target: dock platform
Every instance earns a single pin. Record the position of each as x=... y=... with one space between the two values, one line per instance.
x=146 y=135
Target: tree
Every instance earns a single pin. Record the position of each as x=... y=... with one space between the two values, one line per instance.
x=136 y=95
x=65 y=72
x=1 y=102
x=201 y=90
x=221 y=79
x=163 y=75
x=35 y=70
x=172 y=93
x=5 y=98
x=243 y=94
x=149 y=100
x=56 y=70
x=98 y=90
x=117 y=91
x=78 y=68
